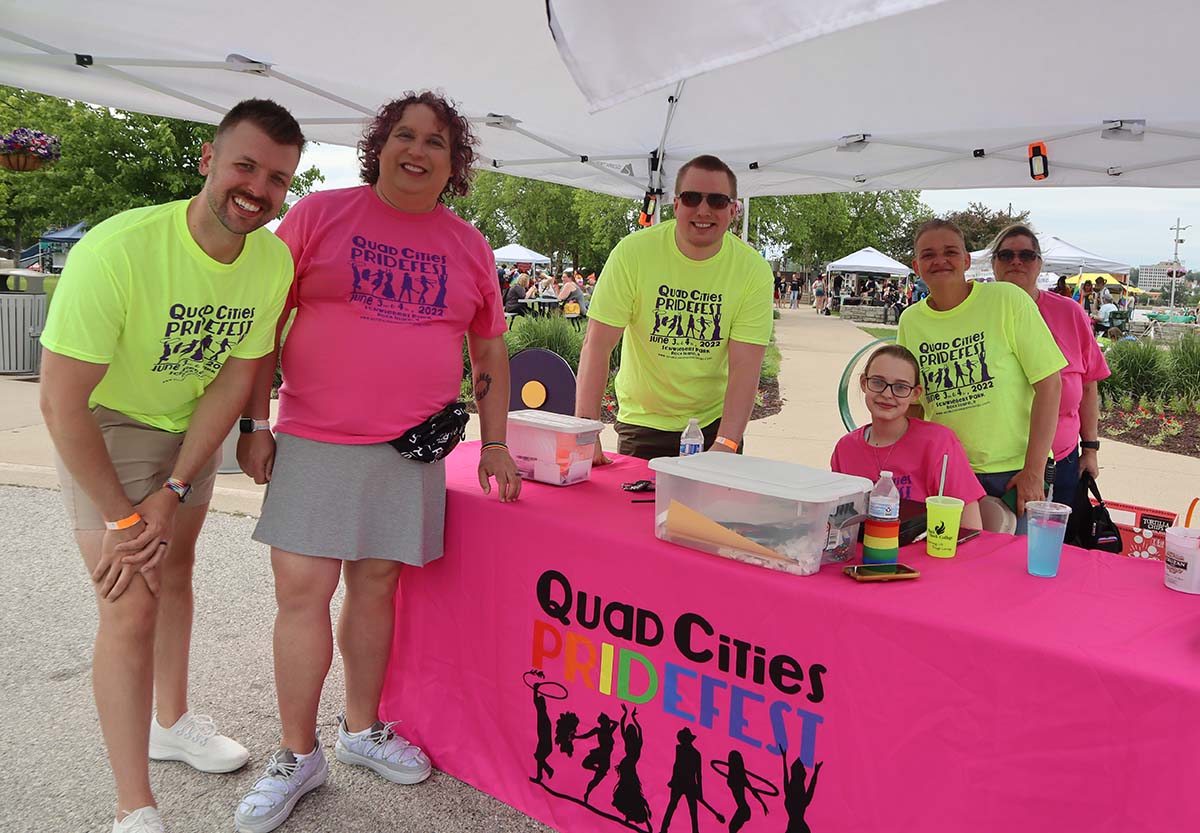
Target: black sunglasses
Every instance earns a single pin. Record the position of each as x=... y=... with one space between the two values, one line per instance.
x=1026 y=255
x=693 y=198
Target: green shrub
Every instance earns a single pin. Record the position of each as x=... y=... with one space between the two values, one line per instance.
x=1139 y=369
x=771 y=363
x=1184 y=366
x=549 y=332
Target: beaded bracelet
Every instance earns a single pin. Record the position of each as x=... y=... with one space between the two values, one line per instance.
x=486 y=446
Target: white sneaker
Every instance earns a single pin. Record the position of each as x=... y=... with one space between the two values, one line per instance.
x=194 y=740
x=285 y=781
x=142 y=820
x=382 y=750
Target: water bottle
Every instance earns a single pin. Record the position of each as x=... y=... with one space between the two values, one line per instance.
x=692 y=440
x=885 y=499
x=881 y=537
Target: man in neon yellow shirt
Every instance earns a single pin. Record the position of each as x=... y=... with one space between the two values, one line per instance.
x=151 y=346
x=694 y=306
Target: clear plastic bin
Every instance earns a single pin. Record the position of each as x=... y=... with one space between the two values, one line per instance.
x=552 y=448
x=782 y=516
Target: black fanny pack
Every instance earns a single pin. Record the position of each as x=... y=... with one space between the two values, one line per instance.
x=436 y=437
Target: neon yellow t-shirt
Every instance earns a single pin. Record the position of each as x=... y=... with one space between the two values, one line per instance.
x=679 y=316
x=139 y=295
x=979 y=362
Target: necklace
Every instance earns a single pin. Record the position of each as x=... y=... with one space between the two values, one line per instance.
x=881 y=466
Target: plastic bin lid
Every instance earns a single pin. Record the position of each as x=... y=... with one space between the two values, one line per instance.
x=555 y=422
x=774 y=478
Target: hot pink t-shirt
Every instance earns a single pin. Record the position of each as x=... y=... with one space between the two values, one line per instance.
x=915 y=461
x=383 y=299
x=1072 y=331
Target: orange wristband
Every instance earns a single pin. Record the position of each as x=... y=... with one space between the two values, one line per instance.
x=124 y=523
x=728 y=443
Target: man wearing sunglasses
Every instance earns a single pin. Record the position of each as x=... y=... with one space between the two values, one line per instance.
x=694 y=306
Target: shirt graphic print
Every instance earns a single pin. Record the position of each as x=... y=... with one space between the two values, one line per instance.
x=397 y=284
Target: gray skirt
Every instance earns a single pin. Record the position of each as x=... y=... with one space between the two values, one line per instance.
x=352 y=502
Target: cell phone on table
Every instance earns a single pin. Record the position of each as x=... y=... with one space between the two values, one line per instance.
x=880 y=572
x=965 y=535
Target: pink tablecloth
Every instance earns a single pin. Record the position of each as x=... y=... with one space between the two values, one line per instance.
x=976 y=698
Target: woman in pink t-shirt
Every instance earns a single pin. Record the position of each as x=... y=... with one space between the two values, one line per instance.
x=911 y=449
x=1017 y=259
x=388 y=282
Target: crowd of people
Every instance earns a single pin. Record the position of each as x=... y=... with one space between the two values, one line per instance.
x=167 y=330
x=571 y=291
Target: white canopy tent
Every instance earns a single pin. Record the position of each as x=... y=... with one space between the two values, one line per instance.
x=516 y=253
x=868 y=261
x=838 y=95
x=1057 y=256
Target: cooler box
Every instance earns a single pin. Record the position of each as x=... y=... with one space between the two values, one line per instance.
x=782 y=516
x=552 y=448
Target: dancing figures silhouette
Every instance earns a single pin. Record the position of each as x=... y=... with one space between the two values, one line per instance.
x=599 y=760
x=545 y=744
x=686 y=781
x=738 y=780
x=627 y=794
x=796 y=797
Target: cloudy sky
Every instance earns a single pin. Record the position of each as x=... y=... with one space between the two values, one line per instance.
x=1127 y=224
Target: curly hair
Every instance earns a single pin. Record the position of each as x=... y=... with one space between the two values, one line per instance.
x=462 y=139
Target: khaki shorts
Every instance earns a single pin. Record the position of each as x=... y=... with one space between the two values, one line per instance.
x=143 y=457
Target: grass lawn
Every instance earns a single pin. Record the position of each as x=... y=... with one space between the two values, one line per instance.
x=880 y=332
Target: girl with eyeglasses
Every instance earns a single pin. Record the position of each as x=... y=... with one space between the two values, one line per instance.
x=910 y=448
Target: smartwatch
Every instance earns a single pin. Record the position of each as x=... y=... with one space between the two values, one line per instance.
x=249 y=426
x=1093 y=445
x=181 y=489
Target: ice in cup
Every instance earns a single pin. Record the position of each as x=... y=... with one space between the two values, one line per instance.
x=943 y=515
x=1047 y=527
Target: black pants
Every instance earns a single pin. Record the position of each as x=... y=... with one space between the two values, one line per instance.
x=648 y=443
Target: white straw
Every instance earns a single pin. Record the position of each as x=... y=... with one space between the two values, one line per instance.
x=942 y=483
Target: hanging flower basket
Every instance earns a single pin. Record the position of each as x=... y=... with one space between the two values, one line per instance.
x=20 y=161
x=27 y=150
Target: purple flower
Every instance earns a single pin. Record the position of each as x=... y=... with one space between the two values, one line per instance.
x=34 y=142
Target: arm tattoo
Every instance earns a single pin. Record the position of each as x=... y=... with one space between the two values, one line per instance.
x=483 y=384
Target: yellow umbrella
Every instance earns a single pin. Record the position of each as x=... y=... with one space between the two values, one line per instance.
x=1110 y=283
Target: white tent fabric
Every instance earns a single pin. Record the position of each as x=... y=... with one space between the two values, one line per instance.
x=516 y=253
x=1057 y=256
x=917 y=93
x=868 y=261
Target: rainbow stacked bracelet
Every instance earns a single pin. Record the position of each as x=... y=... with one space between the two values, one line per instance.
x=486 y=446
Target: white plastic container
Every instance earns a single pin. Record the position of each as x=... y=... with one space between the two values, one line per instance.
x=1182 y=562
x=782 y=516
x=552 y=448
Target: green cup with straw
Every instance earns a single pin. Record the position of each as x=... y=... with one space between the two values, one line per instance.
x=943 y=516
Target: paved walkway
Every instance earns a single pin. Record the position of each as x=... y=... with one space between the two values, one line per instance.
x=49 y=619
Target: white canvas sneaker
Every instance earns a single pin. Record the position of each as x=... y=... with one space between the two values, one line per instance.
x=382 y=750
x=194 y=740
x=142 y=820
x=286 y=779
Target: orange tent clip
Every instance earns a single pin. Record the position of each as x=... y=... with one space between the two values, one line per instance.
x=1039 y=161
x=1192 y=512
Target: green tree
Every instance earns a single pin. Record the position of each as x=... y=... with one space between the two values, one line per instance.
x=112 y=160
x=813 y=229
x=980 y=224
x=571 y=226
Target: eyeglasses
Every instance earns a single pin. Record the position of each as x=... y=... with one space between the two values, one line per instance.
x=900 y=390
x=693 y=198
x=1026 y=255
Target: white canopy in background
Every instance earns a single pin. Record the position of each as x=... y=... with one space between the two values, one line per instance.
x=868 y=261
x=884 y=100
x=516 y=253
x=1057 y=256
